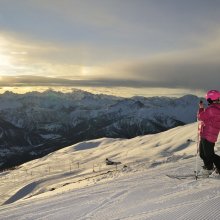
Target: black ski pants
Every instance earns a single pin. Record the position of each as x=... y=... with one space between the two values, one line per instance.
x=207 y=153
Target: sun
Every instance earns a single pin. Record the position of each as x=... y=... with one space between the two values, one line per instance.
x=85 y=70
x=5 y=58
x=5 y=61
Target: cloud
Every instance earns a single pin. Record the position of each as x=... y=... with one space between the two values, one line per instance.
x=195 y=68
x=22 y=56
x=146 y=44
x=30 y=80
x=190 y=68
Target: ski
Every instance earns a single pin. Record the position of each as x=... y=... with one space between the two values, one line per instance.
x=185 y=176
x=191 y=176
x=173 y=176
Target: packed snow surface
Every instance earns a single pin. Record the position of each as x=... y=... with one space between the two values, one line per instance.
x=75 y=183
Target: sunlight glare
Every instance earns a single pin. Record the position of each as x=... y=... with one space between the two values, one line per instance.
x=4 y=60
x=85 y=70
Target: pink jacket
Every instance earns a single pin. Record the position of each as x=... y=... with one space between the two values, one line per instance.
x=210 y=118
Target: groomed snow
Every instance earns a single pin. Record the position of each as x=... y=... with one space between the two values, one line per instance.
x=39 y=190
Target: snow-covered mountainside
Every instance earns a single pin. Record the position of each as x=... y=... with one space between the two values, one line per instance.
x=35 y=124
x=75 y=182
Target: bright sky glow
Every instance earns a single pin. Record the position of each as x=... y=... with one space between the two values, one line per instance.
x=4 y=61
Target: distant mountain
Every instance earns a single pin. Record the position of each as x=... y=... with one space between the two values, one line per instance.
x=35 y=124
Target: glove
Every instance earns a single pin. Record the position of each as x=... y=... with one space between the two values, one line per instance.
x=201 y=105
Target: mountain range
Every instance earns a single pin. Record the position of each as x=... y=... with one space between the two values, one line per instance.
x=35 y=124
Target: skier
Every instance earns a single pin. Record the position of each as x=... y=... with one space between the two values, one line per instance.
x=210 y=127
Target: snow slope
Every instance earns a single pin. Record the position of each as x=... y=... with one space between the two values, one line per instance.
x=141 y=190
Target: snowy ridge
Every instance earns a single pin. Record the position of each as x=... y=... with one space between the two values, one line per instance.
x=139 y=191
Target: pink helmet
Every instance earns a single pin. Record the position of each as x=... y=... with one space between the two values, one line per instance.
x=213 y=95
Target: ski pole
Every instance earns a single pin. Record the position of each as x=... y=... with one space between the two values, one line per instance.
x=197 y=151
x=197 y=145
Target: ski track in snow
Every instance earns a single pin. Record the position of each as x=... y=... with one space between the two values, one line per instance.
x=147 y=194
x=142 y=192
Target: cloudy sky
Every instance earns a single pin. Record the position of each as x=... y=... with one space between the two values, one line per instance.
x=110 y=43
